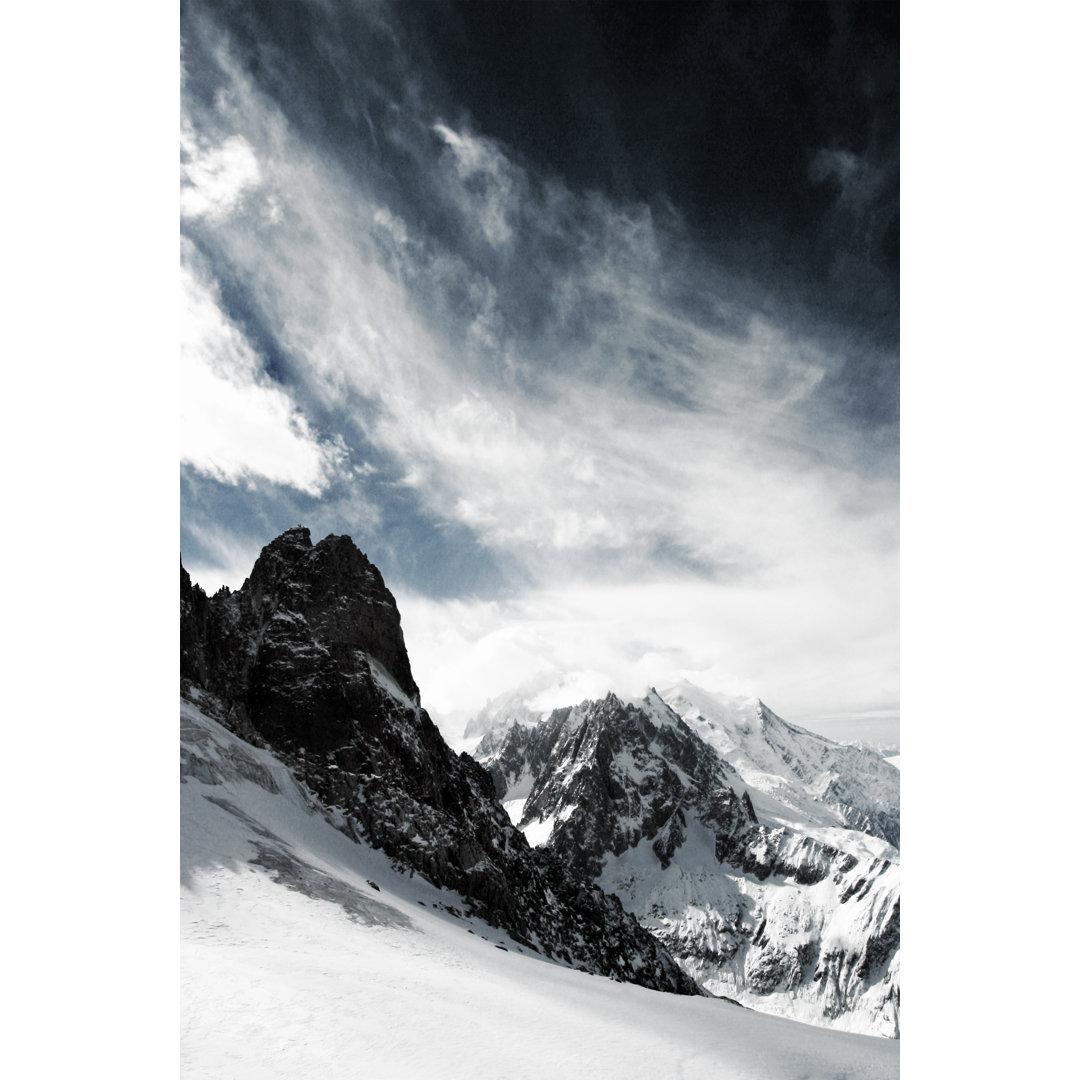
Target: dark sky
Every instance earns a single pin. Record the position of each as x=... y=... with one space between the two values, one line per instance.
x=771 y=130
x=540 y=296
x=721 y=109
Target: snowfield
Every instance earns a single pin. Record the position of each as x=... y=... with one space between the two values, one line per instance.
x=304 y=954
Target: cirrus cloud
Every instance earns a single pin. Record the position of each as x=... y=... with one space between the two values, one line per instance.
x=638 y=460
x=237 y=425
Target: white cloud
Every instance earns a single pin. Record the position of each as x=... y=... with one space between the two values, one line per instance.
x=619 y=439
x=808 y=651
x=236 y=424
x=598 y=459
x=214 y=179
x=486 y=183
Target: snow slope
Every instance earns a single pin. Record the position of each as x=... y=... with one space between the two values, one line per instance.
x=759 y=942
x=304 y=954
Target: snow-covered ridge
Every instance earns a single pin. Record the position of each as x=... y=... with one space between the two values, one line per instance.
x=304 y=952
x=772 y=901
x=792 y=770
x=796 y=777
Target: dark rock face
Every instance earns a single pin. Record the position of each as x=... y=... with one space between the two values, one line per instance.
x=308 y=656
x=299 y=635
x=614 y=774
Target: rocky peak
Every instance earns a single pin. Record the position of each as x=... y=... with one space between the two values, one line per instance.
x=609 y=774
x=297 y=538
x=298 y=638
x=309 y=657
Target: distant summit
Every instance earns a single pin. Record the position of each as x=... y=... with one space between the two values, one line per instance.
x=828 y=783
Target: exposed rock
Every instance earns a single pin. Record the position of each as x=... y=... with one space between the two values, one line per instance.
x=308 y=655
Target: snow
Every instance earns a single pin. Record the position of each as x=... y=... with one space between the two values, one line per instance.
x=298 y=965
x=700 y=904
x=654 y=706
x=788 y=769
x=519 y=791
x=389 y=683
x=539 y=833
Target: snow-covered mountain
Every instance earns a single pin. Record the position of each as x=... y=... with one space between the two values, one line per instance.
x=786 y=907
x=502 y=712
x=824 y=782
x=305 y=952
x=351 y=886
x=307 y=658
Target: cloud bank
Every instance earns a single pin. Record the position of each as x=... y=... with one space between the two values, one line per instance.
x=625 y=457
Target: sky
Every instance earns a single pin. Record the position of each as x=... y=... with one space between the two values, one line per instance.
x=581 y=319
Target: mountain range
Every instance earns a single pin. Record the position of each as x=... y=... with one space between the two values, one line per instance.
x=682 y=843
x=758 y=852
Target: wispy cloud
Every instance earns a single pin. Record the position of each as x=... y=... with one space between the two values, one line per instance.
x=236 y=425
x=486 y=183
x=809 y=650
x=560 y=376
x=213 y=179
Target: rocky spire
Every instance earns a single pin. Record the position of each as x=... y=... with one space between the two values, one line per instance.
x=308 y=655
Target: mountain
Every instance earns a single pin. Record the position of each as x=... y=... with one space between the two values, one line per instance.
x=307 y=954
x=795 y=915
x=307 y=660
x=502 y=712
x=824 y=782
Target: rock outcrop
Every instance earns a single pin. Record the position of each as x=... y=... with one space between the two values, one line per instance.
x=308 y=657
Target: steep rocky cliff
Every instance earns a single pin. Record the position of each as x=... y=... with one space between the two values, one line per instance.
x=308 y=658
